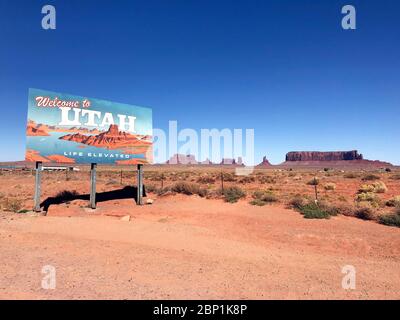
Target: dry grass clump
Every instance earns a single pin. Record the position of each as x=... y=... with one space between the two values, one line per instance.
x=351 y=175
x=376 y=187
x=188 y=189
x=298 y=201
x=392 y=220
x=365 y=212
x=261 y=198
x=370 y=177
x=205 y=179
x=247 y=179
x=395 y=177
x=229 y=177
x=233 y=194
x=10 y=204
x=266 y=179
x=368 y=197
x=330 y=186
x=394 y=202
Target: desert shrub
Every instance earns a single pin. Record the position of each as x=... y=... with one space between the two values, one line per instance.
x=342 y=199
x=233 y=194
x=266 y=179
x=346 y=210
x=388 y=170
x=313 y=211
x=370 y=177
x=390 y=220
x=263 y=197
x=365 y=188
x=11 y=204
x=351 y=175
x=329 y=208
x=205 y=179
x=298 y=201
x=258 y=202
x=188 y=189
x=395 y=177
x=370 y=197
x=380 y=187
x=313 y=182
x=394 y=202
x=154 y=176
x=229 y=177
x=23 y=211
x=365 y=212
x=376 y=187
x=246 y=179
x=330 y=186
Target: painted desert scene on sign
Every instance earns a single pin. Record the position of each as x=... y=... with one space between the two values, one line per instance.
x=63 y=128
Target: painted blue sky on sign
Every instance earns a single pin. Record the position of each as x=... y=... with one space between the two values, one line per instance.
x=52 y=116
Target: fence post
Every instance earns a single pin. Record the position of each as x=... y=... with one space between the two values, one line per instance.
x=93 y=185
x=139 y=184
x=38 y=176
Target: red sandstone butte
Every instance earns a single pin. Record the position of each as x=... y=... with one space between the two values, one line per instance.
x=264 y=163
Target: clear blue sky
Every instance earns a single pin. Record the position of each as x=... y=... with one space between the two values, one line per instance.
x=285 y=68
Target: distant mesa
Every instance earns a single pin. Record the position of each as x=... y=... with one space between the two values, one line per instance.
x=189 y=159
x=182 y=159
x=323 y=156
x=34 y=129
x=232 y=162
x=264 y=163
x=111 y=139
x=206 y=162
x=331 y=158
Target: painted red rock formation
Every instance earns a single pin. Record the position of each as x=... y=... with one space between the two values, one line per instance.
x=33 y=156
x=34 y=129
x=324 y=156
x=111 y=139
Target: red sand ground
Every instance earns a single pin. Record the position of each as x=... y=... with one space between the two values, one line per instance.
x=185 y=247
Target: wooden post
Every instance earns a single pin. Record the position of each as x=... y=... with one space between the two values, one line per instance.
x=38 y=178
x=93 y=185
x=139 y=184
x=162 y=181
x=222 y=181
x=121 y=177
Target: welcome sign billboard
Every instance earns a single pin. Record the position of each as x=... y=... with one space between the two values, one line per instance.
x=71 y=129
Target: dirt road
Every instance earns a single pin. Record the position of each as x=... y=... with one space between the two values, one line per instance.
x=192 y=248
